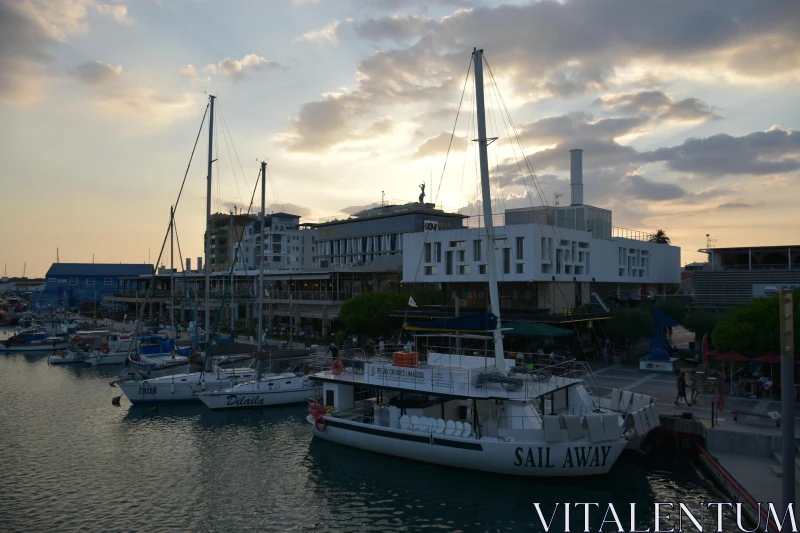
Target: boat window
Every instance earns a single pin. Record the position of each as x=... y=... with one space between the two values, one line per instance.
x=288 y=382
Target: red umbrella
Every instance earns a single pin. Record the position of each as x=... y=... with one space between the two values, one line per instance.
x=731 y=356
x=769 y=358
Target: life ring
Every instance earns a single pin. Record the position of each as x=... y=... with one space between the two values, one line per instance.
x=337 y=367
x=320 y=423
x=76 y=339
x=63 y=354
x=720 y=403
x=106 y=349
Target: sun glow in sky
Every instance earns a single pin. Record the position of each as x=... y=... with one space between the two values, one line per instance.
x=686 y=113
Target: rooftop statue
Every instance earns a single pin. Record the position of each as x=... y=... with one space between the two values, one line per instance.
x=422 y=194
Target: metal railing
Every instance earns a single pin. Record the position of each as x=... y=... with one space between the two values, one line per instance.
x=625 y=233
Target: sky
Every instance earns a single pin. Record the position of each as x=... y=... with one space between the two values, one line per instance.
x=686 y=112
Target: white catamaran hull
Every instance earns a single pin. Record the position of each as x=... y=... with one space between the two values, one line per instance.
x=576 y=458
x=229 y=399
x=179 y=389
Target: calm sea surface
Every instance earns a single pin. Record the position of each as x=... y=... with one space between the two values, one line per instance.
x=70 y=461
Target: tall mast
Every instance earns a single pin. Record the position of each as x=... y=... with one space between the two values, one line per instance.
x=172 y=272
x=208 y=226
x=261 y=257
x=491 y=261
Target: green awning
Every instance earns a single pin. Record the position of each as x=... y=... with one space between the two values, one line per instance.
x=533 y=330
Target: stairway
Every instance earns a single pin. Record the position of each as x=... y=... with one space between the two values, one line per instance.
x=777 y=469
x=600 y=302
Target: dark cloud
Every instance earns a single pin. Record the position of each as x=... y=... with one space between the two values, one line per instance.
x=765 y=152
x=577 y=127
x=658 y=106
x=397 y=27
x=23 y=50
x=437 y=145
x=96 y=72
x=644 y=189
x=734 y=205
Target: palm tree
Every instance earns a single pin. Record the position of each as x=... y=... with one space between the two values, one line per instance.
x=660 y=237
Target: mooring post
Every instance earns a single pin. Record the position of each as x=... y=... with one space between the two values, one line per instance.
x=712 y=414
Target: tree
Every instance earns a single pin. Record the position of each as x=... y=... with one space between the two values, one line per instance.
x=660 y=236
x=369 y=313
x=674 y=307
x=754 y=328
x=627 y=324
x=700 y=323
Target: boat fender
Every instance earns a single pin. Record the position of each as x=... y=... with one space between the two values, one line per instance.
x=115 y=400
x=106 y=349
x=172 y=387
x=63 y=354
x=321 y=424
x=337 y=367
x=76 y=339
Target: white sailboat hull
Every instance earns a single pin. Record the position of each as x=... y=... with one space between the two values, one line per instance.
x=180 y=387
x=546 y=459
x=110 y=359
x=259 y=397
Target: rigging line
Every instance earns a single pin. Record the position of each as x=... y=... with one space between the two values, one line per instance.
x=466 y=148
x=229 y=281
x=455 y=123
x=499 y=199
x=186 y=283
x=230 y=159
x=175 y=208
x=277 y=199
x=233 y=144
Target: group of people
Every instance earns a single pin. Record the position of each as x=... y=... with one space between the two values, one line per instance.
x=684 y=381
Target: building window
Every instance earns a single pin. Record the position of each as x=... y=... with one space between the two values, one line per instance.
x=482 y=269
x=477 y=250
x=520 y=253
x=506 y=260
x=108 y=281
x=437 y=251
x=463 y=269
x=500 y=242
x=427 y=252
x=431 y=270
x=73 y=281
x=457 y=244
x=462 y=256
x=520 y=268
x=52 y=280
x=89 y=282
x=448 y=263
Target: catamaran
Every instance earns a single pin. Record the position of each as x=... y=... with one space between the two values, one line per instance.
x=480 y=412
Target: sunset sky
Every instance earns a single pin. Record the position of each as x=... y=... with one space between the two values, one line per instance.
x=686 y=112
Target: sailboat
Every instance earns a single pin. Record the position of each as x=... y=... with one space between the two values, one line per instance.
x=181 y=387
x=271 y=389
x=480 y=412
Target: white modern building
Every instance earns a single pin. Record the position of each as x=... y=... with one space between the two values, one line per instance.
x=281 y=241
x=547 y=258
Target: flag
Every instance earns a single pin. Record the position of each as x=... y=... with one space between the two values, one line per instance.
x=411 y=302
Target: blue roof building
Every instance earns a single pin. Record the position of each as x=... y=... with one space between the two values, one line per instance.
x=74 y=285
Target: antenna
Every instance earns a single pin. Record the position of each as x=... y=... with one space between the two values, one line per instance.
x=383 y=196
x=57 y=260
x=556 y=197
x=24 y=268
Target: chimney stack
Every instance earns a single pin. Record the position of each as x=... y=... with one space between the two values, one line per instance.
x=199 y=264
x=576 y=176
x=188 y=264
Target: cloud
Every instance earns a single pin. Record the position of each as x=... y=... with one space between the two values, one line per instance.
x=644 y=189
x=293 y=209
x=398 y=27
x=437 y=145
x=321 y=125
x=565 y=49
x=328 y=33
x=660 y=106
x=235 y=68
x=774 y=151
x=734 y=205
x=116 y=11
x=188 y=71
x=353 y=209
x=149 y=106
x=577 y=127
x=96 y=72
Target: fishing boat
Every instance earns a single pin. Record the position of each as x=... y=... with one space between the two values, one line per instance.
x=113 y=351
x=479 y=412
x=33 y=340
x=68 y=357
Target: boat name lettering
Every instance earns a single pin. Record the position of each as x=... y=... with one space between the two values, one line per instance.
x=401 y=373
x=147 y=390
x=244 y=400
x=576 y=457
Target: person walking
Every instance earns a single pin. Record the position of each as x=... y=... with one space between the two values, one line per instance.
x=681 y=386
x=693 y=388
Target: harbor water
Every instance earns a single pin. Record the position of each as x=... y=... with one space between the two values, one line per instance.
x=70 y=461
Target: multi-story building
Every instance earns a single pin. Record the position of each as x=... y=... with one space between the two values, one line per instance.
x=550 y=259
x=226 y=230
x=734 y=276
x=76 y=285
x=281 y=241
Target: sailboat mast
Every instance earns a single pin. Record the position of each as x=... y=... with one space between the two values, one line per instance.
x=261 y=258
x=172 y=271
x=491 y=262
x=208 y=225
